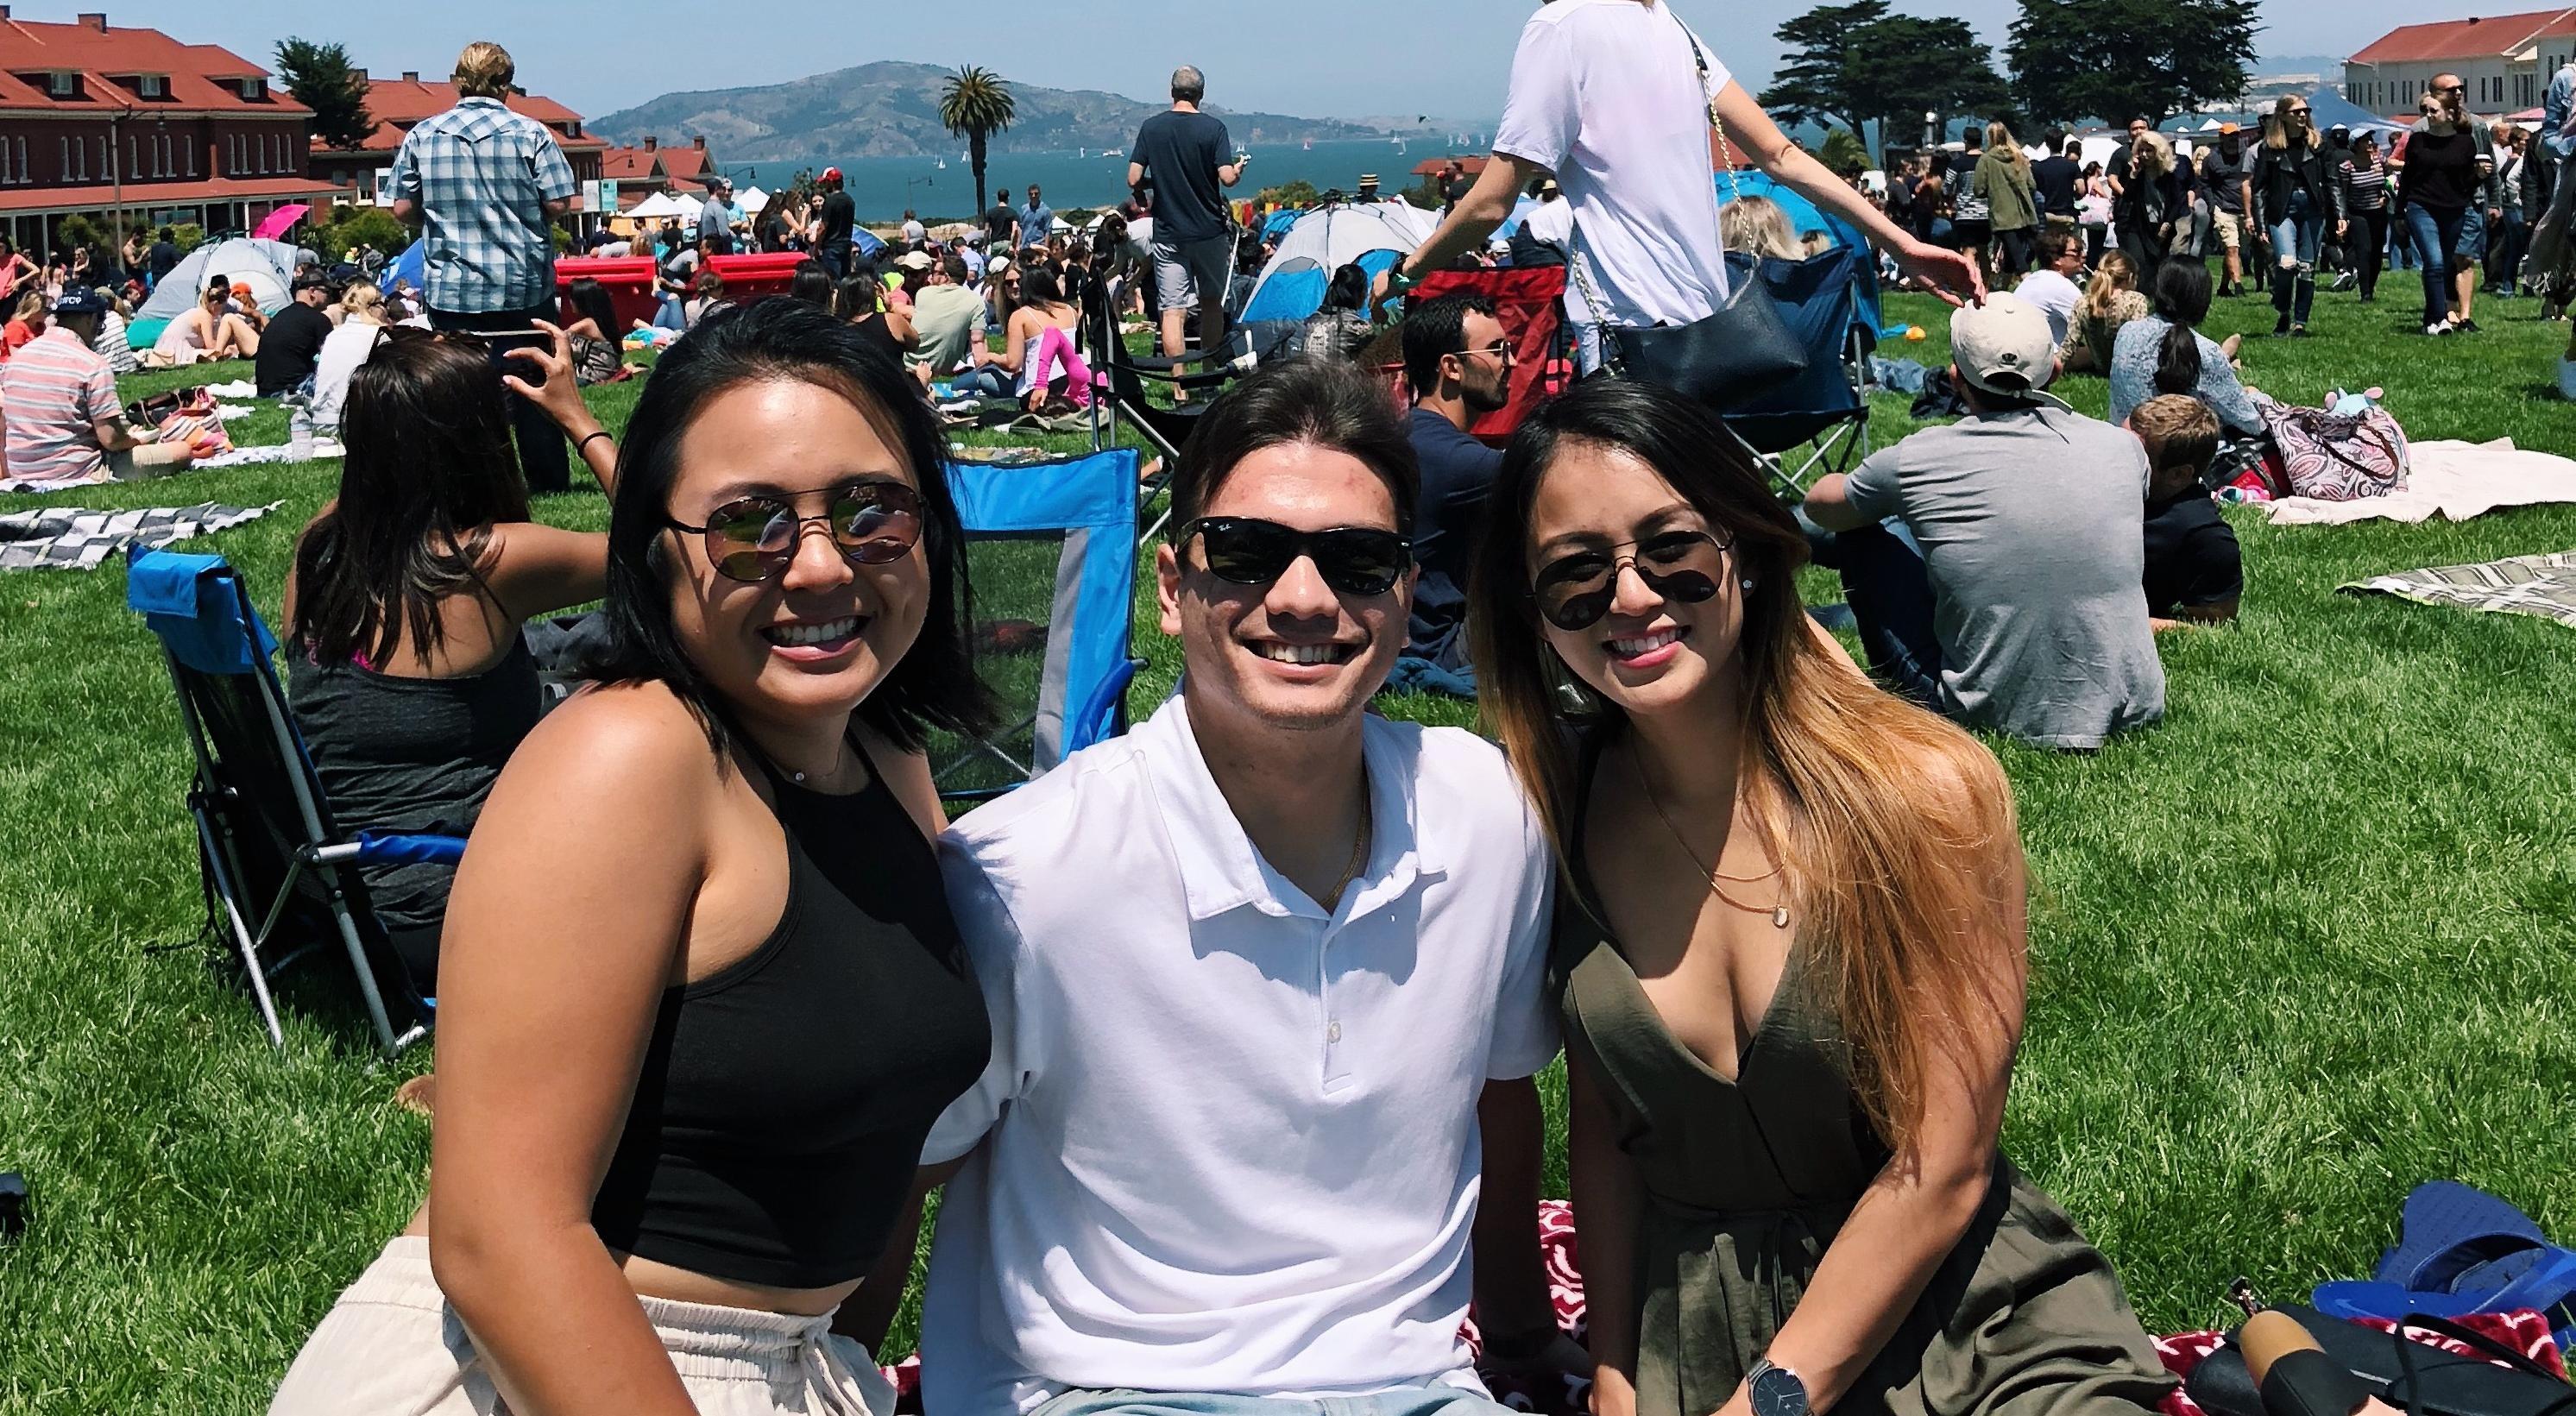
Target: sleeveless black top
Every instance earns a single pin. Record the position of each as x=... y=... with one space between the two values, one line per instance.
x=784 y=1100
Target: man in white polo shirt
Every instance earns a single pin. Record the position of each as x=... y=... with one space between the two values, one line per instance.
x=1254 y=970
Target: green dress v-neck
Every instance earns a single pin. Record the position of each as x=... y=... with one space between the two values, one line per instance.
x=1747 y=1182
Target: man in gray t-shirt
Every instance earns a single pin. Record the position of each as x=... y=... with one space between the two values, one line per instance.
x=1996 y=566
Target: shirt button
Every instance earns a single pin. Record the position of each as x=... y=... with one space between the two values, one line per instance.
x=1332 y=1032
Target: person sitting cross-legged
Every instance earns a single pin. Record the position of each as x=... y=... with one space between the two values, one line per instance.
x=1995 y=564
x=63 y=423
x=1458 y=364
x=1267 y=987
x=2195 y=570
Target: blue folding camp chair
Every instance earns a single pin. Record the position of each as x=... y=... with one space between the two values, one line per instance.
x=1052 y=551
x=1820 y=418
x=264 y=828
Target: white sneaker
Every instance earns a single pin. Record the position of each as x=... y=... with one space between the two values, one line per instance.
x=2438 y=327
x=2567 y=379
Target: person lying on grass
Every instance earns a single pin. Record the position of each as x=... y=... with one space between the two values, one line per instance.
x=2195 y=571
x=1789 y=953
x=407 y=666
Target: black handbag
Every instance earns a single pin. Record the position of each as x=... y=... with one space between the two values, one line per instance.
x=1724 y=359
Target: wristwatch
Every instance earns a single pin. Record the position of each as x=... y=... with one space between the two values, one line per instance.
x=1774 y=1390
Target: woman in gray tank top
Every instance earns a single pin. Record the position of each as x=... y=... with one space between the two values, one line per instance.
x=407 y=671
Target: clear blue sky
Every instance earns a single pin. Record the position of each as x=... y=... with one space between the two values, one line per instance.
x=1313 y=58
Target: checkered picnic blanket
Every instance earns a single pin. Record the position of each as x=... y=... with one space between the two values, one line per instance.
x=74 y=538
x=2519 y=585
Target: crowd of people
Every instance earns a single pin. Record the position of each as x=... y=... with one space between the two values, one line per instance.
x=1218 y=1040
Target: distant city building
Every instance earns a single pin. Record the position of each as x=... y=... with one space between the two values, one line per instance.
x=99 y=121
x=2506 y=60
x=397 y=104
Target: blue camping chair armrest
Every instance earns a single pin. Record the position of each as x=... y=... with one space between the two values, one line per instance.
x=373 y=848
x=1101 y=711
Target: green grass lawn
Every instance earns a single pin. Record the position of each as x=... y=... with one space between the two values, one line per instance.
x=2299 y=947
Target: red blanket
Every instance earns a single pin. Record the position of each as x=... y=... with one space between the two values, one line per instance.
x=2527 y=1333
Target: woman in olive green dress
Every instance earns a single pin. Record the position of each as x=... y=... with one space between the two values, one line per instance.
x=1790 y=950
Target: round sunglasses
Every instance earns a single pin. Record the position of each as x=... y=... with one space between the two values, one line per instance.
x=1245 y=550
x=1574 y=592
x=753 y=538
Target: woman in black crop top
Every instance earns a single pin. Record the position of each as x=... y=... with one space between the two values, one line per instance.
x=700 y=995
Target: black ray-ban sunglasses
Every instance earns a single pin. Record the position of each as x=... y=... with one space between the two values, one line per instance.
x=752 y=539
x=1574 y=592
x=1356 y=560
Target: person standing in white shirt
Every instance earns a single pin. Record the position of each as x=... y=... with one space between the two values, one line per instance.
x=1266 y=980
x=1613 y=98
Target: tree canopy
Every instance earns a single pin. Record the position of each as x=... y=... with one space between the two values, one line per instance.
x=322 y=79
x=1859 y=61
x=2114 y=59
x=975 y=103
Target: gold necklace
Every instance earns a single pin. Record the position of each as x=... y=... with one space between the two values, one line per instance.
x=1359 y=850
x=1779 y=912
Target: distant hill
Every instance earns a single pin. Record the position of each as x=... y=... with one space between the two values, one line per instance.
x=891 y=109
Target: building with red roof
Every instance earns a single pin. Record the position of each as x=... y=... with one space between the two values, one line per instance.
x=641 y=171
x=2506 y=60
x=398 y=103
x=137 y=127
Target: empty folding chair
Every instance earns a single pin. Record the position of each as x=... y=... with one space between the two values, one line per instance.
x=1817 y=422
x=281 y=879
x=1053 y=559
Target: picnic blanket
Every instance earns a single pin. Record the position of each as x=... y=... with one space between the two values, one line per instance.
x=75 y=538
x=2516 y=585
x=2527 y=1333
x=2454 y=479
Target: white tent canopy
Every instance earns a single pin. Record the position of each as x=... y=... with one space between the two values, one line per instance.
x=1323 y=241
x=663 y=206
x=265 y=266
x=753 y=199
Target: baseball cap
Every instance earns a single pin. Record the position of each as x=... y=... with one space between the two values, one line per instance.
x=831 y=174
x=2002 y=346
x=915 y=260
x=312 y=278
x=79 y=300
x=2225 y=128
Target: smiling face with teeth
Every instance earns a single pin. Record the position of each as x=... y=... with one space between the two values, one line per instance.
x=820 y=635
x=1295 y=653
x=1652 y=652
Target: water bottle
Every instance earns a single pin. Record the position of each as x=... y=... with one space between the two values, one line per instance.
x=299 y=434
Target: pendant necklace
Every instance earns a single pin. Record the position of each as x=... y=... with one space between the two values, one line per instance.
x=1779 y=913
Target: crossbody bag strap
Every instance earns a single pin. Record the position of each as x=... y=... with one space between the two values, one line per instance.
x=1575 y=256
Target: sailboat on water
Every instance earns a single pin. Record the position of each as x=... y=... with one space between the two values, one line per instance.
x=943 y=165
x=1310 y=145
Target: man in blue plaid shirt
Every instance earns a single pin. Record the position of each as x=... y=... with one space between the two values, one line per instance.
x=488 y=183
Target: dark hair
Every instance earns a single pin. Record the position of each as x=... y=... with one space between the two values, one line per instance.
x=708 y=285
x=933 y=685
x=1349 y=289
x=2182 y=299
x=861 y=292
x=1323 y=402
x=588 y=300
x=1039 y=288
x=1974 y=138
x=2053 y=244
x=1435 y=328
x=811 y=284
x=2074 y=148
x=430 y=470
x=955 y=265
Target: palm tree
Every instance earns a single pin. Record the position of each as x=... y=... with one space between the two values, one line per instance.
x=976 y=103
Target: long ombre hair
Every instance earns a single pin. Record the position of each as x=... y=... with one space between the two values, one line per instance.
x=2112 y=276
x=1878 y=811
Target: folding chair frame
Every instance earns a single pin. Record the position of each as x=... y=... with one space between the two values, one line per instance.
x=211 y=804
x=1162 y=429
x=1839 y=446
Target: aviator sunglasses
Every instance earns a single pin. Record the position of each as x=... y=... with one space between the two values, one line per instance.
x=752 y=539
x=1356 y=560
x=1574 y=592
